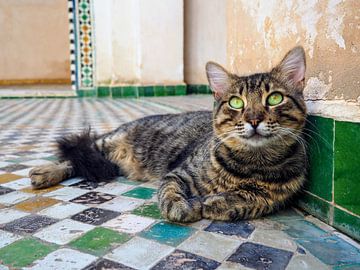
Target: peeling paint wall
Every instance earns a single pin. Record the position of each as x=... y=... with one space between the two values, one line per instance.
x=261 y=31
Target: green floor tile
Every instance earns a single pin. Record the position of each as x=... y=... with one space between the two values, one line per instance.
x=123 y=180
x=140 y=193
x=148 y=210
x=99 y=241
x=347 y=160
x=24 y=252
x=320 y=136
x=168 y=233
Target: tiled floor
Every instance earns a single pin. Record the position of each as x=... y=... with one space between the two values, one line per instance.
x=117 y=225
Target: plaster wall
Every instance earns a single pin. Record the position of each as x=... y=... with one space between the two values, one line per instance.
x=34 y=41
x=205 y=37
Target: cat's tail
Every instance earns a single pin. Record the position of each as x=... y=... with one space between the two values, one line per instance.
x=85 y=157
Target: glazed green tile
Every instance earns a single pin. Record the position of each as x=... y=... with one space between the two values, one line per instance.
x=149 y=91
x=203 y=89
x=320 y=136
x=159 y=90
x=191 y=89
x=141 y=91
x=129 y=91
x=103 y=91
x=315 y=206
x=180 y=90
x=116 y=91
x=24 y=252
x=99 y=240
x=148 y=210
x=347 y=171
x=349 y=224
x=348 y=267
x=124 y=180
x=170 y=90
x=140 y=193
x=168 y=233
x=86 y=93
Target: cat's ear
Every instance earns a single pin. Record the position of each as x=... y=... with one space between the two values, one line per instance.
x=291 y=69
x=219 y=79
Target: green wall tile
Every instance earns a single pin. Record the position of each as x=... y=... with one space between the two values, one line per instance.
x=129 y=91
x=315 y=206
x=159 y=90
x=86 y=93
x=149 y=91
x=99 y=240
x=24 y=252
x=141 y=91
x=203 y=89
x=170 y=90
x=347 y=161
x=103 y=91
x=180 y=90
x=347 y=223
x=320 y=136
x=116 y=91
x=191 y=89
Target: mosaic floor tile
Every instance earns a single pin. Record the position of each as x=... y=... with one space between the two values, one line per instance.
x=139 y=253
x=71 y=181
x=141 y=193
x=24 y=172
x=184 y=260
x=307 y=261
x=89 y=185
x=64 y=259
x=148 y=210
x=41 y=191
x=4 y=164
x=95 y=216
x=7 y=238
x=168 y=233
x=240 y=228
x=128 y=223
x=122 y=204
x=127 y=181
x=99 y=240
x=14 y=167
x=66 y=193
x=104 y=264
x=8 y=215
x=14 y=197
x=28 y=224
x=63 y=232
x=261 y=257
x=303 y=229
x=114 y=188
x=18 y=184
x=63 y=210
x=210 y=245
x=36 y=162
x=7 y=177
x=332 y=250
x=274 y=238
x=4 y=190
x=24 y=252
x=35 y=204
x=93 y=198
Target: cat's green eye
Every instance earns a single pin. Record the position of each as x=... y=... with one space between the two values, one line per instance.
x=275 y=99
x=236 y=103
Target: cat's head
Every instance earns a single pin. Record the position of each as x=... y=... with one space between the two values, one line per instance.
x=261 y=108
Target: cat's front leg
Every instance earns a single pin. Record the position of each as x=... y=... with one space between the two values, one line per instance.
x=235 y=206
x=176 y=201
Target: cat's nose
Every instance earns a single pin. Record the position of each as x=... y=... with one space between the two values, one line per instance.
x=254 y=123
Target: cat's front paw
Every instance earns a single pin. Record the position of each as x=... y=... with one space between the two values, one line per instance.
x=215 y=207
x=182 y=210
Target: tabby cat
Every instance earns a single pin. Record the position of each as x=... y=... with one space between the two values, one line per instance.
x=240 y=161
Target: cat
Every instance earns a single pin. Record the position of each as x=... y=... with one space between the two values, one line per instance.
x=243 y=160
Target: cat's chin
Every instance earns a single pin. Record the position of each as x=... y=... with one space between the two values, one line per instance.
x=257 y=140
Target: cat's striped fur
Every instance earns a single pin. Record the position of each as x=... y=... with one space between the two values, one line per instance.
x=209 y=164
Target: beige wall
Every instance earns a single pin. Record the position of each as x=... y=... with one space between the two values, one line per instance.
x=205 y=37
x=34 y=40
x=139 y=41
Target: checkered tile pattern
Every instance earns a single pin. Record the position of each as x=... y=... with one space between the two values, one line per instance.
x=117 y=225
